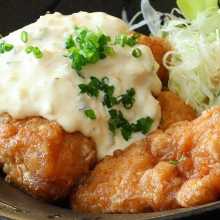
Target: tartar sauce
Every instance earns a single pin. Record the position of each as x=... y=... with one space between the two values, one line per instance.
x=48 y=87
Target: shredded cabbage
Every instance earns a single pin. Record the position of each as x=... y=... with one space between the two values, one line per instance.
x=151 y=18
x=194 y=63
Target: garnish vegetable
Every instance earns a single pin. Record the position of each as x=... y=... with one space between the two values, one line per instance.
x=191 y=8
x=193 y=63
x=5 y=47
x=116 y=118
x=87 y=47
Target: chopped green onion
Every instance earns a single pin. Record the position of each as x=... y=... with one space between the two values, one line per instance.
x=176 y=162
x=143 y=125
x=126 y=40
x=109 y=51
x=92 y=88
x=95 y=86
x=90 y=114
x=87 y=47
x=117 y=121
x=35 y=50
x=8 y=47
x=126 y=131
x=5 y=47
x=191 y=8
x=136 y=52
x=24 y=36
x=70 y=42
x=109 y=99
x=128 y=98
x=29 y=49
x=37 y=53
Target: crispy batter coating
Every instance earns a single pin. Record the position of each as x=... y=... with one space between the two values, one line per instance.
x=174 y=109
x=179 y=167
x=131 y=181
x=42 y=159
x=159 y=48
x=112 y=186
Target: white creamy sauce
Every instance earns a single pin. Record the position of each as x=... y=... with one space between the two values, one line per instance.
x=48 y=87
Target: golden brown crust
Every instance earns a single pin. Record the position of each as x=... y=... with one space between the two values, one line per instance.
x=174 y=109
x=132 y=181
x=159 y=48
x=176 y=168
x=114 y=181
x=39 y=157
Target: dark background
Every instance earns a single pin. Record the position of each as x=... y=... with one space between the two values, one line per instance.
x=17 y=13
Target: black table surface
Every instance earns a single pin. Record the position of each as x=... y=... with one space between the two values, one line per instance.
x=15 y=14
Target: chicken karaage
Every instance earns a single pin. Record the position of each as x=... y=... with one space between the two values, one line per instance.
x=174 y=109
x=39 y=157
x=179 y=167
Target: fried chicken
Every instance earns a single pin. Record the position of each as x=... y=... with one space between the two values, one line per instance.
x=159 y=48
x=174 y=109
x=42 y=159
x=179 y=167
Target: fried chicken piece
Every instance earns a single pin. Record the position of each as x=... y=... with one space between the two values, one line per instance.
x=42 y=159
x=200 y=190
x=174 y=109
x=112 y=190
x=159 y=48
x=179 y=167
x=128 y=183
